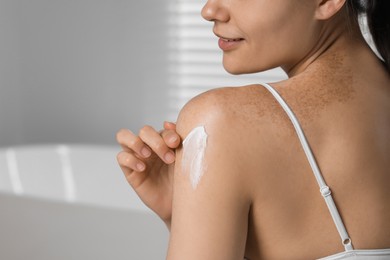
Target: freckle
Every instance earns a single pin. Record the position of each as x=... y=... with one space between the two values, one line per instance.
x=324 y=86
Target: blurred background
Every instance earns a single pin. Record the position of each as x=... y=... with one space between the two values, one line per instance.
x=76 y=71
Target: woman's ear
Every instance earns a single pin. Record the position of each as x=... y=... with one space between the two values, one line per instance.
x=327 y=8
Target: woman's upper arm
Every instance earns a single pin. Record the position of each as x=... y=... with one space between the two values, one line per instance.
x=210 y=201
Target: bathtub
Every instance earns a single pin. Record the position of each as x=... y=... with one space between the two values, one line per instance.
x=72 y=202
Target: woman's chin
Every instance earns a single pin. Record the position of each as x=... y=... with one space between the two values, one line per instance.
x=238 y=68
x=234 y=69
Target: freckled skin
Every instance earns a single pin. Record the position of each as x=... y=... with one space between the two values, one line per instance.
x=320 y=87
x=336 y=112
x=308 y=94
x=339 y=91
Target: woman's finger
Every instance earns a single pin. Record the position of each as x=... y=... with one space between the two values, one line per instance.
x=154 y=140
x=134 y=178
x=132 y=143
x=171 y=138
x=131 y=162
x=169 y=125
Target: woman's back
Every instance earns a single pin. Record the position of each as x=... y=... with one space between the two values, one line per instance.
x=345 y=116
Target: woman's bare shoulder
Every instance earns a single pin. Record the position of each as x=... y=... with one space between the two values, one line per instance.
x=242 y=108
x=246 y=121
x=211 y=183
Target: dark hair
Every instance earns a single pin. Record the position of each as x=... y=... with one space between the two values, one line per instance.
x=378 y=20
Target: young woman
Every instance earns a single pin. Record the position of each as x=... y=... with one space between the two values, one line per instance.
x=245 y=183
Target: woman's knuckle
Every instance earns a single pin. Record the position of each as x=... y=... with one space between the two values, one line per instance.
x=133 y=142
x=119 y=157
x=121 y=134
x=164 y=133
x=160 y=146
x=145 y=130
x=124 y=159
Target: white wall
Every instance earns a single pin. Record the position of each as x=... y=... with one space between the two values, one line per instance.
x=78 y=70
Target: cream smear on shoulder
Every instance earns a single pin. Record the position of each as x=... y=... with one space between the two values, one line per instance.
x=194 y=148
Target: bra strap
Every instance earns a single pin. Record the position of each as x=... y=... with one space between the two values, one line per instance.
x=324 y=189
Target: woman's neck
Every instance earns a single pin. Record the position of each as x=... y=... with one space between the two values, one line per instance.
x=337 y=37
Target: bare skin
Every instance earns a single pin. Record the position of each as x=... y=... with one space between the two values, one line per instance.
x=258 y=197
x=347 y=126
x=273 y=208
x=147 y=163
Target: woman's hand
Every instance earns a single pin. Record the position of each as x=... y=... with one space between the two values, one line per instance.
x=147 y=160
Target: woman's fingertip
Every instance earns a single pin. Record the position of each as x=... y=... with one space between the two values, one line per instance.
x=146 y=152
x=140 y=167
x=169 y=125
x=173 y=139
x=169 y=157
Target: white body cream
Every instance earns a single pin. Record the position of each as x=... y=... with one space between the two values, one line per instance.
x=194 y=148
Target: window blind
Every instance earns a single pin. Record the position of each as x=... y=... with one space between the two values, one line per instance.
x=195 y=58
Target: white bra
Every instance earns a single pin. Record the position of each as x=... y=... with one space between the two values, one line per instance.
x=350 y=253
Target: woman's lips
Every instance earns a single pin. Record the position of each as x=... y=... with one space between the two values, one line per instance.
x=229 y=44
